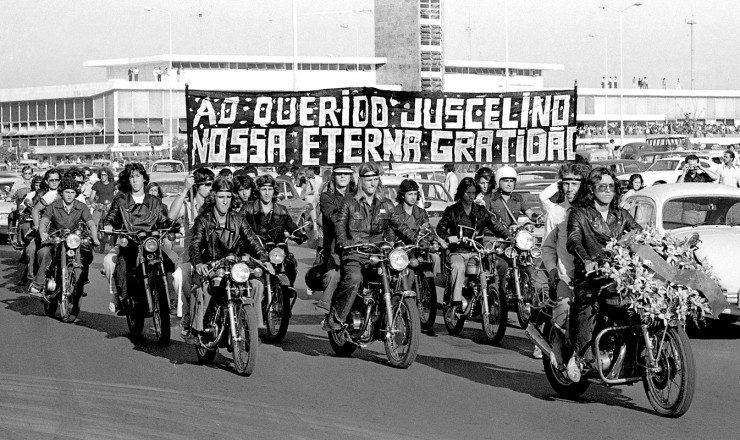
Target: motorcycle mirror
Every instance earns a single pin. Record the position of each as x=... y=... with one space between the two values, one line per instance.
x=427 y=205
x=281 y=197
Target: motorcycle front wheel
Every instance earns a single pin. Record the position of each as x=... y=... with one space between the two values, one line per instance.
x=559 y=380
x=67 y=303
x=245 y=349
x=340 y=344
x=160 y=308
x=524 y=304
x=427 y=301
x=402 y=340
x=50 y=306
x=277 y=315
x=494 y=322
x=670 y=389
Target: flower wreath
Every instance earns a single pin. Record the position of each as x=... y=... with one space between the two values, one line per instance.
x=653 y=299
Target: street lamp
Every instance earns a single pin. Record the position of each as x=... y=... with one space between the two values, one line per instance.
x=606 y=75
x=691 y=23
x=357 y=36
x=621 y=70
x=169 y=78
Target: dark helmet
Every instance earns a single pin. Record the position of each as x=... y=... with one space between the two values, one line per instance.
x=483 y=172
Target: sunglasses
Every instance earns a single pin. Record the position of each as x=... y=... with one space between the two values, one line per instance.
x=53 y=180
x=604 y=187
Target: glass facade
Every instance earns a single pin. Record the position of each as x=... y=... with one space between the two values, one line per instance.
x=714 y=109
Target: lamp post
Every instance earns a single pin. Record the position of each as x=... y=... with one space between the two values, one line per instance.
x=169 y=78
x=606 y=75
x=621 y=70
x=691 y=23
x=344 y=26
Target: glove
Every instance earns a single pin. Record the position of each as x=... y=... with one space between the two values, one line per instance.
x=553 y=278
x=301 y=238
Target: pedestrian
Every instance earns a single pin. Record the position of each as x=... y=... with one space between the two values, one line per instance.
x=603 y=85
x=130 y=74
x=154 y=74
x=664 y=83
x=179 y=73
x=451 y=181
x=634 y=82
x=610 y=82
x=645 y=83
x=166 y=74
x=615 y=82
x=136 y=73
x=678 y=83
x=729 y=174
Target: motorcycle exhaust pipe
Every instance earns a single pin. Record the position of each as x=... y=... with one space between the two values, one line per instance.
x=538 y=338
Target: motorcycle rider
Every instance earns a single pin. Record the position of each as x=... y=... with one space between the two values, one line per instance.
x=64 y=213
x=183 y=207
x=366 y=217
x=272 y=222
x=594 y=219
x=464 y=212
x=342 y=185
x=23 y=185
x=416 y=218
x=217 y=232
x=22 y=222
x=136 y=211
x=46 y=195
x=504 y=202
x=483 y=178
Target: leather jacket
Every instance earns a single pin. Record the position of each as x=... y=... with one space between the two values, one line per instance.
x=134 y=217
x=330 y=202
x=588 y=233
x=355 y=226
x=210 y=242
x=271 y=226
x=480 y=218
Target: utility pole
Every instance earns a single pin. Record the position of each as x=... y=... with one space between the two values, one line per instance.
x=691 y=23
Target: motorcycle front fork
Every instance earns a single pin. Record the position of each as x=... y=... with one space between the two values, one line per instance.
x=517 y=285
x=483 y=280
x=232 y=313
x=387 y=299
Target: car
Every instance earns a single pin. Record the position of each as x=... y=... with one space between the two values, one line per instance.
x=536 y=172
x=171 y=188
x=592 y=150
x=7 y=179
x=167 y=166
x=432 y=195
x=299 y=209
x=669 y=142
x=622 y=166
x=667 y=170
x=712 y=211
x=419 y=171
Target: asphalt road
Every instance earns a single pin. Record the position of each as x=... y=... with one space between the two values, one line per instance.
x=89 y=380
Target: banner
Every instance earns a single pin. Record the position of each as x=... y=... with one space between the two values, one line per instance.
x=355 y=125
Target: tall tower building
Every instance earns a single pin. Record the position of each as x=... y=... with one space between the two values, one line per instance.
x=408 y=33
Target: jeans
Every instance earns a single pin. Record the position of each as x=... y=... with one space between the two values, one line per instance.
x=457 y=262
x=583 y=314
x=30 y=251
x=201 y=300
x=44 y=256
x=182 y=286
x=331 y=281
x=120 y=264
x=352 y=276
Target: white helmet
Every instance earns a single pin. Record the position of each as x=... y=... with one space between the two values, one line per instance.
x=505 y=172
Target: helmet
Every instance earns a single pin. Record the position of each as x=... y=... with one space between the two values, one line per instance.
x=505 y=172
x=483 y=172
x=69 y=183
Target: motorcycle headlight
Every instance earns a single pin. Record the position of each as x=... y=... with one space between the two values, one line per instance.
x=398 y=259
x=277 y=256
x=151 y=244
x=73 y=241
x=524 y=240
x=122 y=242
x=240 y=273
x=536 y=252
x=257 y=272
x=510 y=253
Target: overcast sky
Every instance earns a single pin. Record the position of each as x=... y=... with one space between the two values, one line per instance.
x=45 y=42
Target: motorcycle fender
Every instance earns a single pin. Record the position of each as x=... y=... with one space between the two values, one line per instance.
x=283 y=279
x=247 y=301
x=405 y=293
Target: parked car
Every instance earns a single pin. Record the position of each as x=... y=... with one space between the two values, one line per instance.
x=669 y=142
x=592 y=150
x=7 y=179
x=667 y=170
x=432 y=195
x=299 y=209
x=622 y=166
x=167 y=166
x=536 y=172
x=419 y=171
x=712 y=211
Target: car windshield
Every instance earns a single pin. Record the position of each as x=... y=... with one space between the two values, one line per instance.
x=168 y=168
x=701 y=210
x=664 y=165
x=435 y=192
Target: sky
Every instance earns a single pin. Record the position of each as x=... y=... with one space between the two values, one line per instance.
x=46 y=42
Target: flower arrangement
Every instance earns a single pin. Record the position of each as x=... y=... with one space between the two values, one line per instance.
x=653 y=299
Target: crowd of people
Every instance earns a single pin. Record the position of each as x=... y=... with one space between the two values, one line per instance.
x=690 y=128
x=236 y=212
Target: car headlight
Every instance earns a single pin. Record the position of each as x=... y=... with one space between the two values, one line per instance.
x=240 y=273
x=151 y=244
x=73 y=241
x=399 y=259
x=277 y=256
x=524 y=240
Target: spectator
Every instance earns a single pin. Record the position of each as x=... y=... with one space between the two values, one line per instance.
x=251 y=172
x=179 y=73
x=694 y=172
x=450 y=178
x=225 y=172
x=603 y=85
x=136 y=73
x=153 y=189
x=635 y=184
x=678 y=83
x=283 y=174
x=729 y=174
x=634 y=82
x=616 y=86
x=130 y=74
x=664 y=83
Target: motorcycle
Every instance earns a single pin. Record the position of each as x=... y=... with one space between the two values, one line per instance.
x=378 y=313
x=149 y=295
x=626 y=351
x=60 y=289
x=230 y=320
x=279 y=297
x=19 y=216
x=481 y=300
x=426 y=290
x=526 y=284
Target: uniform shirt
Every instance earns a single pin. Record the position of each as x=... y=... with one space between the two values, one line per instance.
x=57 y=216
x=555 y=255
x=516 y=205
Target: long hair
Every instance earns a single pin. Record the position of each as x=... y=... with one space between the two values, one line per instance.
x=108 y=172
x=268 y=180
x=124 y=184
x=151 y=185
x=221 y=184
x=585 y=196
x=464 y=185
x=331 y=185
x=44 y=185
x=243 y=181
x=407 y=185
x=635 y=177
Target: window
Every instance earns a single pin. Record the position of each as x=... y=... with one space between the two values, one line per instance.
x=696 y=211
x=642 y=211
